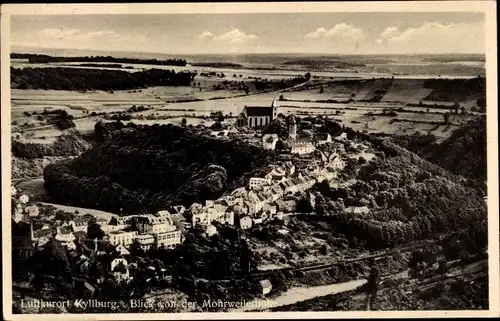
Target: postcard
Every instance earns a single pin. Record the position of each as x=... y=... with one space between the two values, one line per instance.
x=250 y=160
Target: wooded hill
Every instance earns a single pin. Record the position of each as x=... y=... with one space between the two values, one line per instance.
x=83 y=79
x=146 y=168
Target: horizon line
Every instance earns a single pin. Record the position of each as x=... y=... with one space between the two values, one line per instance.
x=249 y=53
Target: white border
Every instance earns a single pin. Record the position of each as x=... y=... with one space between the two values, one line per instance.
x=488 y=7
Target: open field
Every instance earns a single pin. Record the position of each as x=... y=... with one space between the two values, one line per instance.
x=187 y=102
x=370 y=83
x=81 y=211
x=251 y=64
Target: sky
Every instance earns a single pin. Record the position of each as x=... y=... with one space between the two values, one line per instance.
x=327 y=33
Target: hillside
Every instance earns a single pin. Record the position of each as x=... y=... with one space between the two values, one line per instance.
x=410 y=199
x=463 y=153
x=410 y=91
x=149 y=167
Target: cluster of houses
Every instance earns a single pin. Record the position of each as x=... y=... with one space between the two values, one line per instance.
x=301 y=145
x=265 y=197
x=162 y=229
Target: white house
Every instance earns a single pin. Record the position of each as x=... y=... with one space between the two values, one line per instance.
x=151 y=224
x=18 y=217
x=302 y=147
x=169 y=239
x=146 y=241
x=200 y=218
x=360 y=210
x=24 y=199
x=66 y=237
x=269 y=141
x=268 y=208
x=246 y=222
x=251 y=207
x=257 y=220
x=337 y=163
x=209 y=230
x=32 y=210
x=266 y=286
x=80 y=224
x=229 y=199
x=122 y=237
x=256 y=182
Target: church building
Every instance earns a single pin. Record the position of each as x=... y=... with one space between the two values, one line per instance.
x=257 y=116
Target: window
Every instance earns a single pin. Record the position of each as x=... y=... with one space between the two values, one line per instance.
x=250 y=121
x=261 y=121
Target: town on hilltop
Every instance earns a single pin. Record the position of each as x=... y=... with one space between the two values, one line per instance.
x=347 y=175
x=270 y=197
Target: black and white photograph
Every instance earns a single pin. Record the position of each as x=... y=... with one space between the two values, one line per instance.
x=295 y=157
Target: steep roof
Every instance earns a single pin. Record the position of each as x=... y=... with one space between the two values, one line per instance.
x=259 y=111
x=120 y=267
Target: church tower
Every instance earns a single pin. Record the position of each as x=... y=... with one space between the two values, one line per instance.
x=274 y=106
x=292 y=127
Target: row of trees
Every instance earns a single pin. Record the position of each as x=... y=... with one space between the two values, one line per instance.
x=38 y=58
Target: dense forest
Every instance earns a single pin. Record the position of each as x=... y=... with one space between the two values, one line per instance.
x=38 y=58
x=411 y=199
x=455 y=89
x=147 y=168
x=95 y=79
x=463 y=153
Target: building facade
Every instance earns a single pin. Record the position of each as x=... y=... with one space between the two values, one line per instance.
x=169 y=239
x=122 y=237
x=257 y=116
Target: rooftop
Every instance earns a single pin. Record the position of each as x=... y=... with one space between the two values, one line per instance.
x=259 y=111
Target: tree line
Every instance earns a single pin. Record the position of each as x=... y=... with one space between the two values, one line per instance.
x=39 y=58
x=95 y=79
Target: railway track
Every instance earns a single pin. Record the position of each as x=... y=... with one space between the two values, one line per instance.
x=329 y=265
